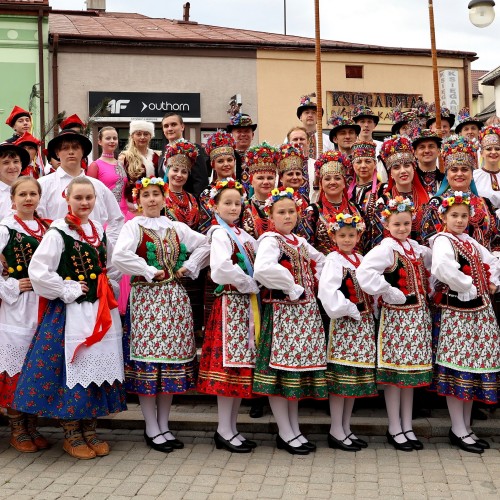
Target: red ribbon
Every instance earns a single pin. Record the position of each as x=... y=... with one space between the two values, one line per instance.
x=103 y=322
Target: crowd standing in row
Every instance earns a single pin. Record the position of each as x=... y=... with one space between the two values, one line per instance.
x=316 y=277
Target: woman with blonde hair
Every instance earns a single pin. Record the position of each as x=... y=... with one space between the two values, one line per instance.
x=138 y=159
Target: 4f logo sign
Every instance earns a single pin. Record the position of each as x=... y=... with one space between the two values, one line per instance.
x=116 y=105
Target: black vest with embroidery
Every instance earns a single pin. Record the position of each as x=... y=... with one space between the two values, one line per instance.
x=81 y=261
x=18 y=253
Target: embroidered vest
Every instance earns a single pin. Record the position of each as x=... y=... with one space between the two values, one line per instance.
x=164 y=251
x=352 y=291
x=80 y=261
x=18 y=253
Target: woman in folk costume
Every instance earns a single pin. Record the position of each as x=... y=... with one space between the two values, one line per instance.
x=399 y=160
x=351 y=351
x=220 y=148
x=397 y=271
x=228 y=354
x=487 y=178
x=182 y=206
x=460 y=160
x=291 y=353
x=261 y=162
x=468 y=350
x=138 y=159
x=364 y=192
x=20 y=235
x=159 y=347
x=74 y=368
x=331 y=169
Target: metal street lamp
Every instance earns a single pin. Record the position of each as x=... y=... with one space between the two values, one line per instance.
x=481 y=12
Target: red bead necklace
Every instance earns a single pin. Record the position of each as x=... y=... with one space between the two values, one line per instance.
x=293 y=241
x=409 y=253
x=37 y=234
x=93 y=240
x=356 y=262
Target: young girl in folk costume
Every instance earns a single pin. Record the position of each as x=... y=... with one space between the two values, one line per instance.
x=396 y=270
x=468 y=350
x=159 y=348
x=365 y=190
x=183 y=207
x=228 y=354
x=331 y=169
x=291 y=354
x=351 y=351
x=262 y=166
x=220 y=148
x=74 y=367
x=399 y=160
x=20 y=235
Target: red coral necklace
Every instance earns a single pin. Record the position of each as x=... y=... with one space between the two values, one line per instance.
x=37 y=233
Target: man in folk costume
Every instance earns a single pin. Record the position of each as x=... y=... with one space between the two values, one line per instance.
x=447 y=121
x=75 y=124
x=468 y=126
x=19 y=120
x=427 y=147
x=31 y=145
x=307 y=113
x=242 y=128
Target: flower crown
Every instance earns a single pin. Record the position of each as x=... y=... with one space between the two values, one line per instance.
x=281 y=193
x=397 y=115
x=143 y=184
x=489 y=136
x=395 y=149
x=458 y=149
x=340 y=121
x=226 y=183
x=346 y=220
x=182 y=147
x=241 y=120
x=220 y=143
x=456 y=198
x=394 y=206
x=332 y=162
x=305 y=100
x=262 y=157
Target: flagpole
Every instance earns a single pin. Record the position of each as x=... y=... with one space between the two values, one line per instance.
x=319 y=95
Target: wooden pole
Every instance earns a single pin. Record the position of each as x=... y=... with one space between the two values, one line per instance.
x=435 y=76
x=319 y=95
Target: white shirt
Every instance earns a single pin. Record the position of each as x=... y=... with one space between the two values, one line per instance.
x=53 y=204
x=484 y=189
x=5 y=201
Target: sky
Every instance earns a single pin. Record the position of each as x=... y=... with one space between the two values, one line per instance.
x=392 y=23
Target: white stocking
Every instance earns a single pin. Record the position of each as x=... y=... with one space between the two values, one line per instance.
x=148 y=408
x=393 y=404
x=164 y=403
x=225 y=410
x=336 y=415
x=293 y=415
x=234 y=415
x=468 y=416
x=407 y=411
x=456 y=409
x=346 y=416
x=279 y=407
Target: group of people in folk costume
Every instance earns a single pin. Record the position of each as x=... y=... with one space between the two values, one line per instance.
x=322 y=282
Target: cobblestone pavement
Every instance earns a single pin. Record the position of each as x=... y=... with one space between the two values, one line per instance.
x=199 y=471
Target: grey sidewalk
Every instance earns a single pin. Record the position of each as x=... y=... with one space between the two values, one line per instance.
x=199 y=471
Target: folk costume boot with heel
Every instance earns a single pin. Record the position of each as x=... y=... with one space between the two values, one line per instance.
x=74 y=443
x=100 y=447
x=19 y=436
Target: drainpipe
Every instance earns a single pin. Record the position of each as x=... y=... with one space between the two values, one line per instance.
x=41 y=73
x=55 y=75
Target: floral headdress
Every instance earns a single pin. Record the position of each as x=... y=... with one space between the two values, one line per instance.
x=346 y=220
x=305 y=100
x=489 y=136
x=458 y=150
x=395 y=205
x=361 y=111
x=363 y=149
x=456 y=198
x=181 y=153
x=143 y=184
x=397 y=149
x=464 y=118
x=398 y=116
x=290 y=158
x=226 y=183
x=332 y=162
x=281 y=193
x=446 y=115
x=220 y=143
x=262 y=158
